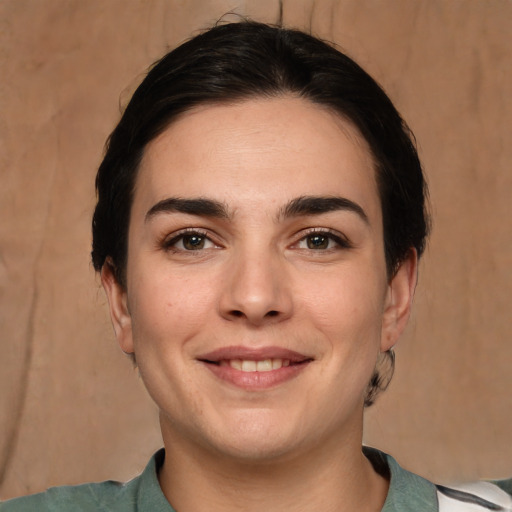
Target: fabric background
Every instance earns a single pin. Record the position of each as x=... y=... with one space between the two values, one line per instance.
x=72 y=409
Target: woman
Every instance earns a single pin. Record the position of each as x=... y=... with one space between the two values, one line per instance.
x=261 y=212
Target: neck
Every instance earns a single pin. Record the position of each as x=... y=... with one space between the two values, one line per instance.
x=334 y=478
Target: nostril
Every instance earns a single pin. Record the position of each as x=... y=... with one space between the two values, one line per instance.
x=240 y=314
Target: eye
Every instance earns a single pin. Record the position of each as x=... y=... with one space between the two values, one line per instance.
x=321 y=241
x=317 y=242
x=189 y=241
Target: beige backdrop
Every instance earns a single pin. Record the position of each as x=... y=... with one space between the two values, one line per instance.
x=72 y=409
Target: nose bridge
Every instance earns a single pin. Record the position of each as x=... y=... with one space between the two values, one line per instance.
x=256 y=288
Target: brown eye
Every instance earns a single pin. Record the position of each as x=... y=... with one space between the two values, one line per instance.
x=193 y=242
x=317 y=242
x=323 y=241
x=187 y=242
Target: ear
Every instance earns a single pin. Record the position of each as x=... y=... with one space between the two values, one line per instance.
x=398 y=303
x=118 y=305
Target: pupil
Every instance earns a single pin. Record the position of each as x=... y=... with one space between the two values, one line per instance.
x=318 y=242
x=193 y=242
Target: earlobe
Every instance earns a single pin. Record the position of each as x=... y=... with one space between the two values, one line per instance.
x=118 y=306
x=399 y=298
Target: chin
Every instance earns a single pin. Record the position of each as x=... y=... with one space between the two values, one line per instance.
x=258 y=451
x=255 y=438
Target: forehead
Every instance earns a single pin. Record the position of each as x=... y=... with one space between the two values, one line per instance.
x=261 y=152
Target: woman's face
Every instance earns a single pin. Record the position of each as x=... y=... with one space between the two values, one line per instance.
x=257 y=300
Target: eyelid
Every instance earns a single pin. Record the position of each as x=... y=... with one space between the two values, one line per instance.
x=341 y=240
x=338 y=237
x=171 y=239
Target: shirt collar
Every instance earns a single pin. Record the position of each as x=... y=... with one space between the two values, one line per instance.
x=407 y=491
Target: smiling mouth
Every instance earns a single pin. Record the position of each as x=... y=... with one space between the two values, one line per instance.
x=250 y=365
x=255 y=368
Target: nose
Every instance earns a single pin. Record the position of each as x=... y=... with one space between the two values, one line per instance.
x=256 y=289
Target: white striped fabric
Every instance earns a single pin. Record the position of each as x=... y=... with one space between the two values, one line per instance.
x=473 y=497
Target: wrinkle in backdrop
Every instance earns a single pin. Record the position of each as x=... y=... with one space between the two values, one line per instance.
x=72 y=408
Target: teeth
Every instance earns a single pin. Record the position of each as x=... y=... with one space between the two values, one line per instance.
x=265 y=365
x=248 y=366
x=236 y=364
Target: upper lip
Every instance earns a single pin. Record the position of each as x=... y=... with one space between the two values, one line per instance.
x=253 y=354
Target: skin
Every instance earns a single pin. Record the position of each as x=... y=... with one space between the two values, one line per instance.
x=255 y=277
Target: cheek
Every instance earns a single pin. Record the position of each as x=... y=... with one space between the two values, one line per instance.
x=346 y=303
x=168 y=309
x=346 y=311
x=167 y=313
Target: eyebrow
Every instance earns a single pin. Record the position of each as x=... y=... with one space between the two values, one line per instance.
x=196 y=206
x=300 y=206
x=316 y=205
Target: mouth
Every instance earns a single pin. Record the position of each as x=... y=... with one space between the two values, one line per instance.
x=249 y=365
x=255 y=369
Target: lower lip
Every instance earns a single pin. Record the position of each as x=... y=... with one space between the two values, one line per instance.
x=255 y=381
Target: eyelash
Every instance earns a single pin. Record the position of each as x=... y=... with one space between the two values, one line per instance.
x=169 y=244
x=341 y=242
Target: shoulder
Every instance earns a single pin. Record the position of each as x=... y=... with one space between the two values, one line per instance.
x=408 y=491
x=140 y=494
x=88 y=497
